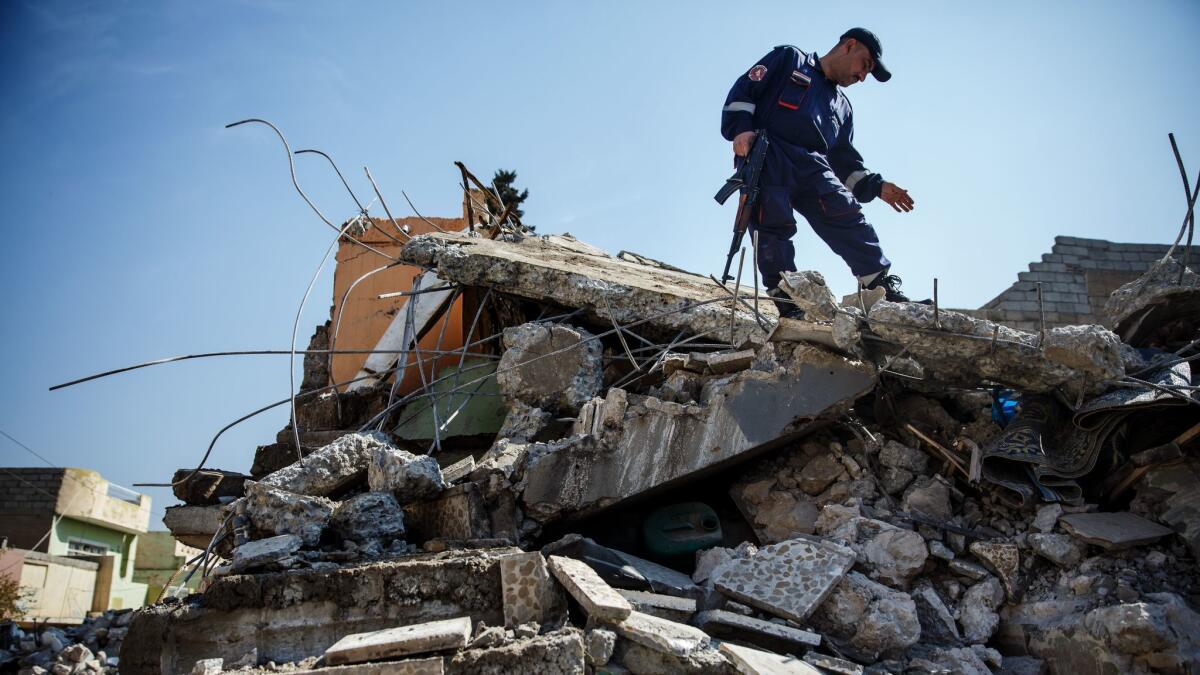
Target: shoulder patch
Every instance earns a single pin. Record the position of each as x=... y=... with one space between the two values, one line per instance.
x=757 y=73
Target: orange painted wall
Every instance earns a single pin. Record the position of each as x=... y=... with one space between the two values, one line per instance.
x=366 y=316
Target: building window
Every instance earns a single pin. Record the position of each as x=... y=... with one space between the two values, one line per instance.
x=83 y=547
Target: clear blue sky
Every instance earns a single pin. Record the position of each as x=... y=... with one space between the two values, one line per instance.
x=136 y=227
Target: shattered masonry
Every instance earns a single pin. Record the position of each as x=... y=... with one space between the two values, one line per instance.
x=849 y=493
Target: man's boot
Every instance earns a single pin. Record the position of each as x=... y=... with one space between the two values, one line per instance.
x=784 y=303
x=890 y=283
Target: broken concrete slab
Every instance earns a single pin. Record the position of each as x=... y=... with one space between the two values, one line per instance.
x=417 y=638
x=194 y=525
x=677 y=639
x=605 y=286
x=291 y=616
x=529 y=592
x=789 y=579
x=264 y=551
x=960 y=349
x=757 y=662
x=409 y=477
x=207 y=486
x=425 y=666
x=666 y=607
x=550 y=366
x=1004 y=560
x=1141 y=306
x=557 y=653
x=867 y=619
x=1113 y=531
x=331 y=469
x=777 y=637
x=275 y=511
x=598 y=599
x=657 y=444
x=370 y=516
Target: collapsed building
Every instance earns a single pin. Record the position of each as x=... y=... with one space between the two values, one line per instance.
x=556 y=460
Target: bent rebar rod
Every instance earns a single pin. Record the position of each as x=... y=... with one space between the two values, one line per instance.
x=296 y=184
x=361 y=209
x=296 y=327
x=383 y=203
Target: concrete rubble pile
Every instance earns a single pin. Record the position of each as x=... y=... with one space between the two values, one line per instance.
x=91 y=647
x=683 y=483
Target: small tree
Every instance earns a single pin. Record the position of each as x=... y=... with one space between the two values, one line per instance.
x=11 y=598
x=503 y=180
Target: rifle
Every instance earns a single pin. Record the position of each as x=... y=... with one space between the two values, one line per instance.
x=746 y=179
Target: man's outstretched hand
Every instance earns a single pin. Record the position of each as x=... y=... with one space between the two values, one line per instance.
x=742 y=143
x=891 y=193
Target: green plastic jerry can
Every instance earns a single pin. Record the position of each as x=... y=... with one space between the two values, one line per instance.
x=681 y=529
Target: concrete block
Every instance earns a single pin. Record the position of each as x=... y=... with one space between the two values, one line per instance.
x=264 y=551
x=677 y=639
x=409 y=477
x=598 y=599
x=757 y=662
x=194 y=525
x=789 y=579
x=276 y=511
x=401 y=641
x=554 y=367
x=777 y=637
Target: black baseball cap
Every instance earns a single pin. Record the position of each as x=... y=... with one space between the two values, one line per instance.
x=868 y=40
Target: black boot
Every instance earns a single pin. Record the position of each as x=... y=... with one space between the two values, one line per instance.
x=890 y=283
x=786 y=306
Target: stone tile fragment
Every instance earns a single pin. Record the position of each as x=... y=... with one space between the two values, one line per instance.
x=677 y=639
x=663 y=606
x=599 y=600
x=409 y=477
x=263 y=551
x=528 y=589
x=332 y=468
x=400 y=641
x=1002 y=559
x=1113 y=531
x=757 y=662
x=766 y=634
x=788 y=579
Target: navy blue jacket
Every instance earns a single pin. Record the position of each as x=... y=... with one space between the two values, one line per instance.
x=787 y=94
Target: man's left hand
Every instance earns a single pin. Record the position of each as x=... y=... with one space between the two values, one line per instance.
x=896 y=196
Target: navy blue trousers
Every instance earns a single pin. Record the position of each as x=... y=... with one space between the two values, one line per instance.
x=793 y=181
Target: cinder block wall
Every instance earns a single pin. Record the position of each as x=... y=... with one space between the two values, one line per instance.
x=27 y=500
x=1077 y=275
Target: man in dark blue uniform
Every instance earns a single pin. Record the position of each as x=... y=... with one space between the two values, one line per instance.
x=811 y=165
